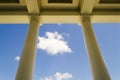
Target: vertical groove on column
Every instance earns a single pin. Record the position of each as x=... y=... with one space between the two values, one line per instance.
x=27 y=60
x=98 y=67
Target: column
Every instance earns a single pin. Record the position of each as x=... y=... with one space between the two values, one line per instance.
x=27 y=60
x=97 y=64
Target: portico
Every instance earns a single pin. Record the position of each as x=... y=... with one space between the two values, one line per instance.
x=82 y=12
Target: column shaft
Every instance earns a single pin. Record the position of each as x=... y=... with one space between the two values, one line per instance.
x=98 y=67
x=27 y=60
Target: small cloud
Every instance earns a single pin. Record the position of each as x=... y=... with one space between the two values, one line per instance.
x=62 y=76
x=58 y=76
x=53 y=44
x=17 y=58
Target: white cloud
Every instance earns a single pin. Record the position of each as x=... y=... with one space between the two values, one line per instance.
x=53 y=43
x=62 y=76
x=17 y=58
x=58 y=76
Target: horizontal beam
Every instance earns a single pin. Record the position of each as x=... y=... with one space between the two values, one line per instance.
x=63 y=16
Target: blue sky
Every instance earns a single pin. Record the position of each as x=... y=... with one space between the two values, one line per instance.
x=70 y=63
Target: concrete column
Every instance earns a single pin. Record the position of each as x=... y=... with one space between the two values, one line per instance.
x=98 y=67
x=27 y=60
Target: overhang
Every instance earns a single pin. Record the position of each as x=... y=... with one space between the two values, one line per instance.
x=101 y=11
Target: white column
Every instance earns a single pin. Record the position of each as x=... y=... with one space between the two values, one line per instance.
x=27 y=60
x=98 y=67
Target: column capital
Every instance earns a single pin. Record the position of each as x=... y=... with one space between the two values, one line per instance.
x=34 y=18
x=85 y=18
